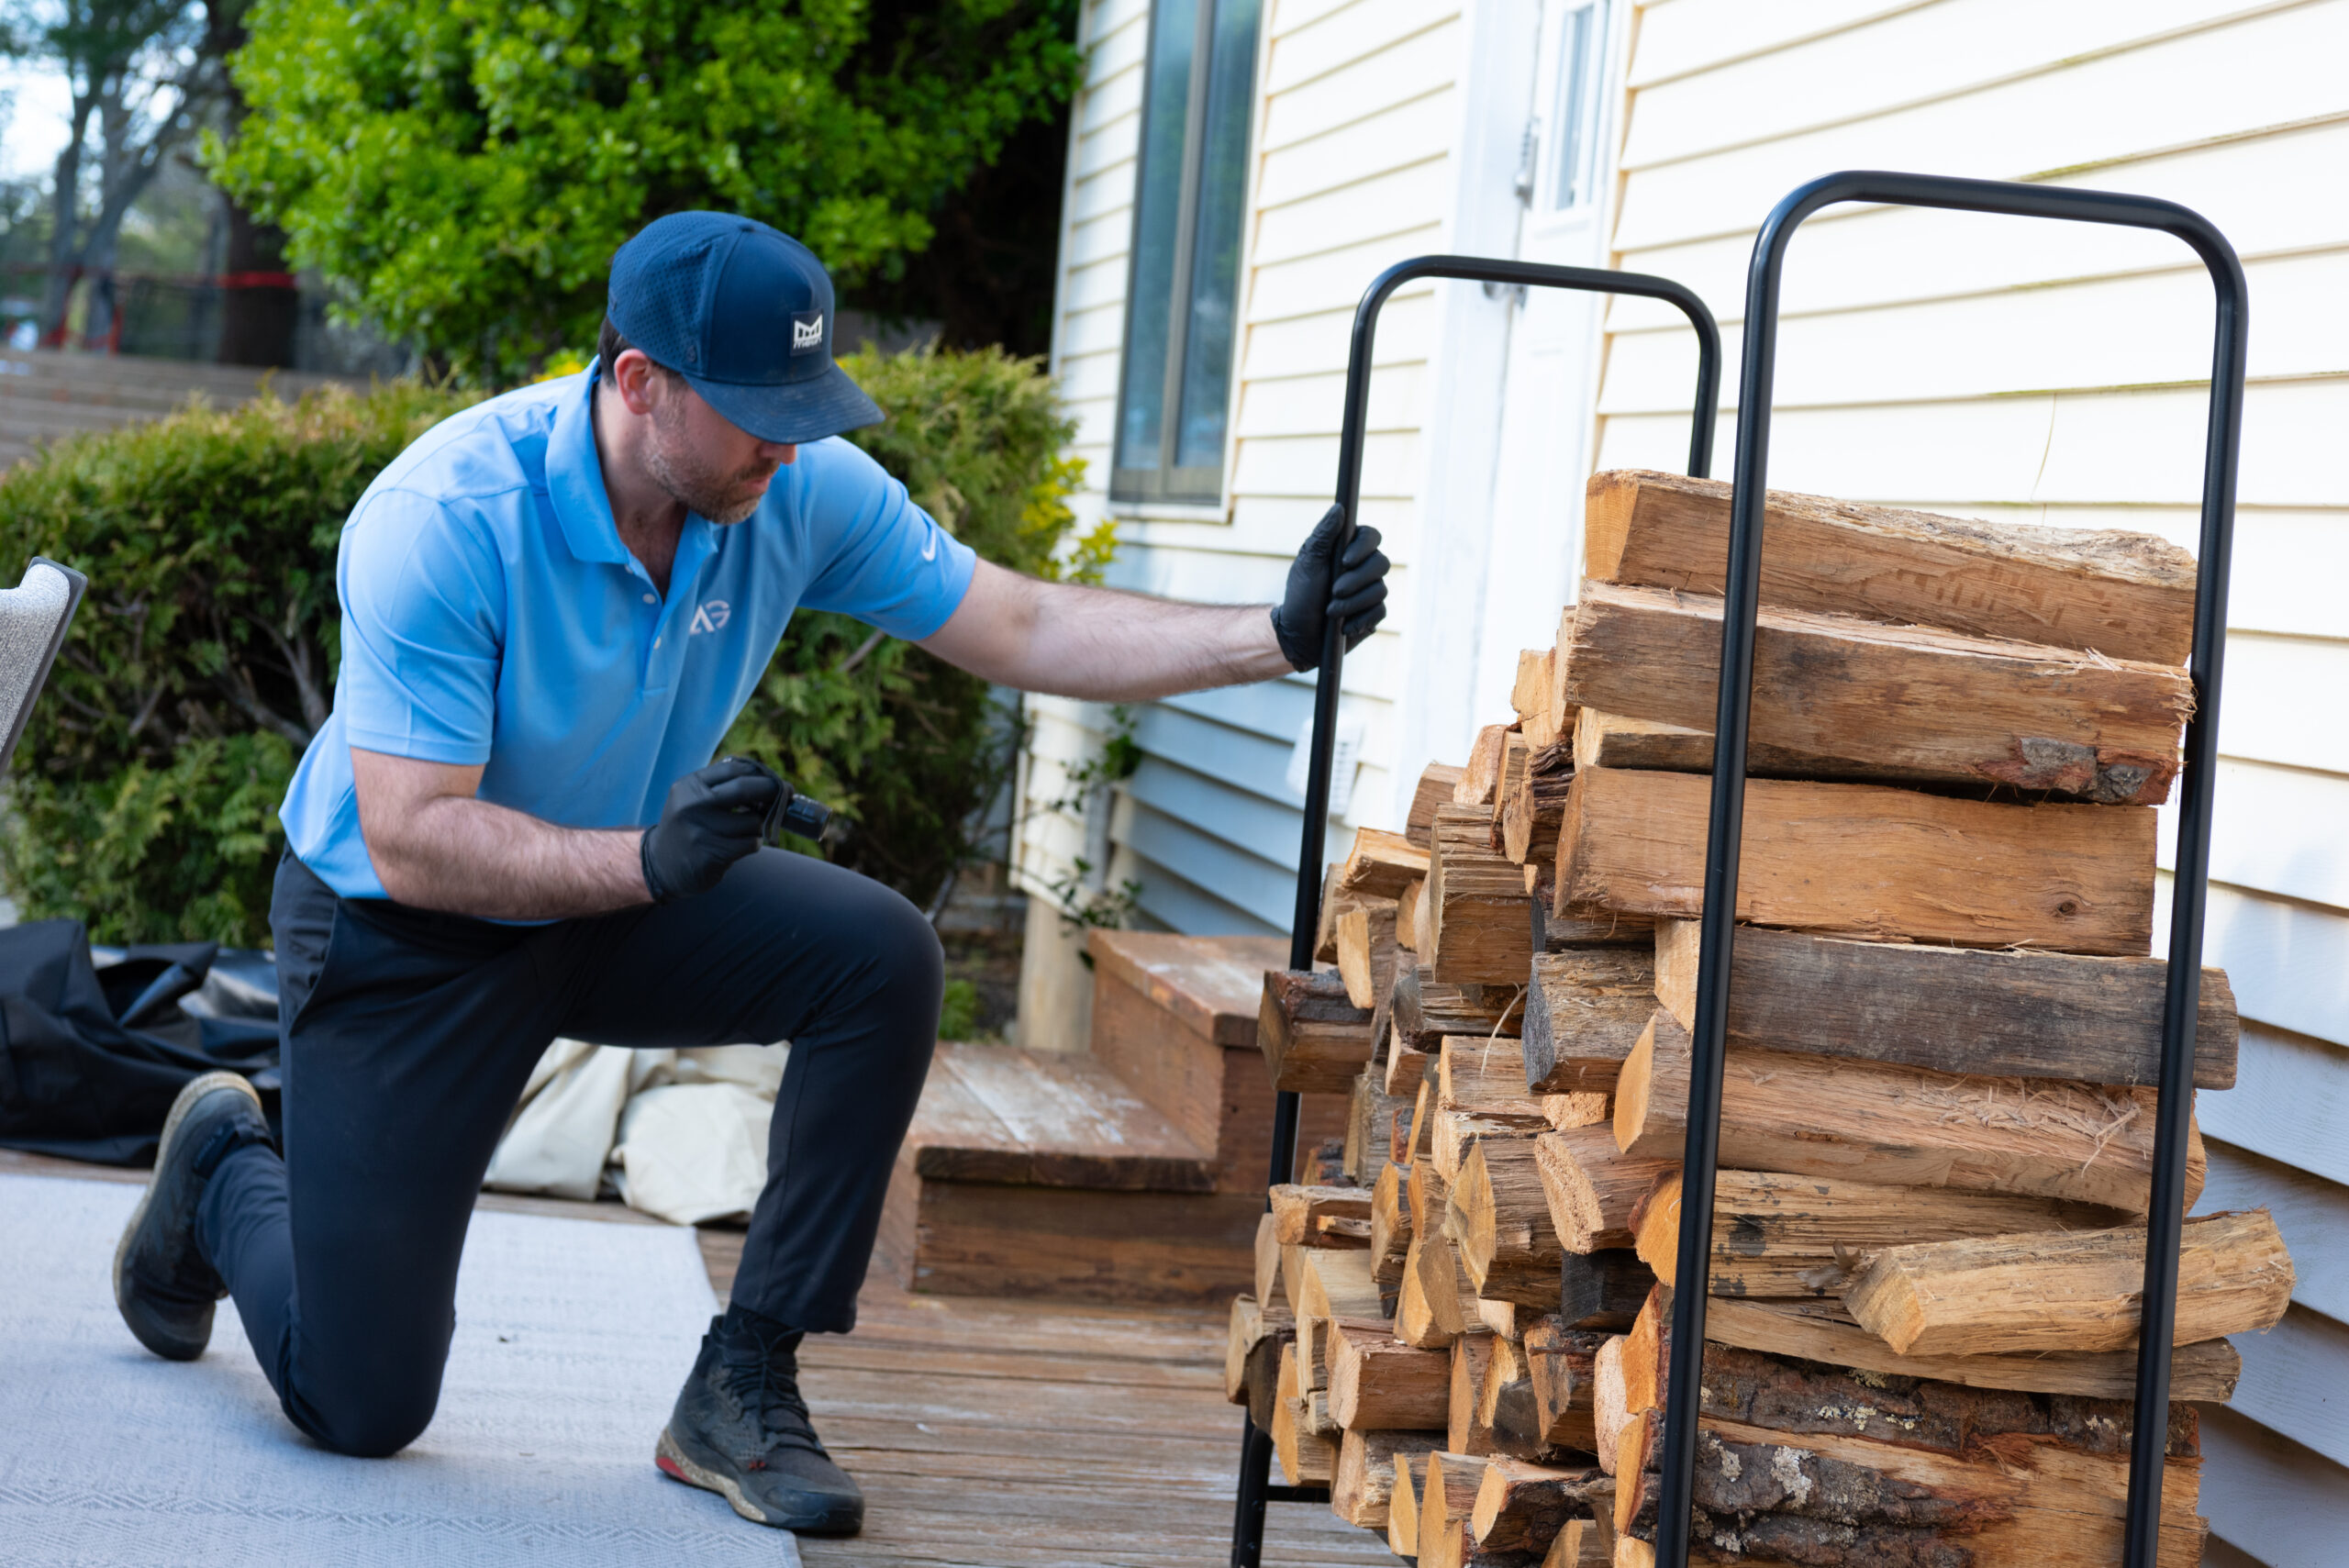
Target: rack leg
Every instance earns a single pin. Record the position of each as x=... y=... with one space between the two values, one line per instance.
x=1248 y=1511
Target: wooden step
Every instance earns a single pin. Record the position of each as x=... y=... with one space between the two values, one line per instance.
x=1037 y=1173
x=1176 y=1018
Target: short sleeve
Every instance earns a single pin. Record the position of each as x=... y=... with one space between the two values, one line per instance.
x=880 y=558
x=423 y=600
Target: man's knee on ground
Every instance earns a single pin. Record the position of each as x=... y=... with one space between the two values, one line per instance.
x=373 y=1426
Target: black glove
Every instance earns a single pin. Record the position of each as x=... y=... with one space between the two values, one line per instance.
x=711 y=819
x=1357 y=598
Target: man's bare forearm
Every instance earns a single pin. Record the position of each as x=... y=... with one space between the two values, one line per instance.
x=1104 y=645
x=468 y=857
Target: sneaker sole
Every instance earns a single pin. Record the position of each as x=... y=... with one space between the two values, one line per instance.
x=673 y=1464
x=196 y=1091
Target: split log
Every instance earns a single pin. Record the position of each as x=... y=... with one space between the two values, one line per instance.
x=1602 y=1290
x=1361 y=1491
x=1508 y=1407
x=1403 y=1504
x=1305 y=1460
x=1591 y=1187
x=1423 y=916
x=1484 y=1076
x=1297 y=1211
x=1370 y=1128
x=1563 y=1363
x=1427 y=1189
x=1586 y=1544
x=1610 y=1409
x=1437 y=780
x=1482 y=775
x=2128 y=596
x=1339 y=1286
x=1390 y=1222
x=1866 y=861
x=1522 y=1507
x=1380 y=864
x=1367 y=953
x=1430 y=1312
x=1615 y=740
x=1505 y=1318
x=1585 y=1107
x=1461 y=1432
x=1904 y=1126
x=1855 y=698
x=1249 y=1330
x=1313 y=1038
x=1453 y=1481
x=1268 y=1258
x=1823 y=1331
x=2022 y=1015
x=1425 y=1009
x=1506 y=1240
x=1584 y=1009
x=1532 y=809
x=1378 y=1384
x=1458 y=1133
x=1406 y=914
x=1529 y=693
x=1481 y=920
x=1516 y=756
x=2019 y=1294
x=1422 y=1144
x=1778 y=1236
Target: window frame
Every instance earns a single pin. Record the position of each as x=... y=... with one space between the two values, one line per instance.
x=1195 y=487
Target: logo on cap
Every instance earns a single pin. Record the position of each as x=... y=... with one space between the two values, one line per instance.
x=806 y=331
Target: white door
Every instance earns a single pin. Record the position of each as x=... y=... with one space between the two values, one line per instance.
x=1564 y=178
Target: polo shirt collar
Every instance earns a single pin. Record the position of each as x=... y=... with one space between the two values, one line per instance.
x=575 y=480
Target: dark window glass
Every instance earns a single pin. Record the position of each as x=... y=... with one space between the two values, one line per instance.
x=1182 y=294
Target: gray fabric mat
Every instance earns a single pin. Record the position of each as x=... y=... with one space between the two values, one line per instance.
x=573 y=1337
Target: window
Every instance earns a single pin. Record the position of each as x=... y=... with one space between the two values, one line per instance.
x=1572 y=132
x=1183 y=291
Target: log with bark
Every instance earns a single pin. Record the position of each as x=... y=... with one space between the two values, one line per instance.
x=2019 y=1014
x=1424 y=1009
x=1563 y=1362
x=1602 y=1290
x=1363 y=1488
x=1447 y=1503
x=1510 y=1408
x=1314 y=1038
x=1521 y=1507
x=1584 y=1008
x=1866 y=861
x=1532 y=809
x=1481 y=920
x=1860 y=698
x=1777 y=1236
x=1904 y=1126
x=2128 y=596
x=1592 y=1188
x=2079 y=1290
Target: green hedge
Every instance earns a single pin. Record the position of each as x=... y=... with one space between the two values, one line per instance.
x=144 y=796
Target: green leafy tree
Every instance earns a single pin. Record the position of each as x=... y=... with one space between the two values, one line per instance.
x=467 y=167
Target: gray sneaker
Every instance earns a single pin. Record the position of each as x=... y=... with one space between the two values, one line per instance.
x=740 y=1429
x=164 y=1284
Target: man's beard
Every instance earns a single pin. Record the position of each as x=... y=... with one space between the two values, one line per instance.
x=685 y=477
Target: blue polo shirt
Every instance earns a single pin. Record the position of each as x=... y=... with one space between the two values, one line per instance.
x=492 y=616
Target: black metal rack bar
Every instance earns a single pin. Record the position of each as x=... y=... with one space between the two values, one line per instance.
x=2167 y=1207
x=1257 y=1446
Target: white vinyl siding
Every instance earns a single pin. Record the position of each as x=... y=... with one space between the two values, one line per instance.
x=1357 y=110
x=2051 y=373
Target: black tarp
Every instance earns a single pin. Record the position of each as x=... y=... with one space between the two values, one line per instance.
x=95 y=1048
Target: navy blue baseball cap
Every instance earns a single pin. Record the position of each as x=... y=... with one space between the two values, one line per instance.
x=744 y=313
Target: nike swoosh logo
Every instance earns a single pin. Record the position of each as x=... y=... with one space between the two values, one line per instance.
x=929 y=549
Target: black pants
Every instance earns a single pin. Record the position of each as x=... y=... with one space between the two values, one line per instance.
x=409 y=1036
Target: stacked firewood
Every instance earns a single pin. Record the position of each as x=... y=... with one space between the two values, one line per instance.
x=1937 y=1129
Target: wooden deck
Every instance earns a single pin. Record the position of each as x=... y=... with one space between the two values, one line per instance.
x=45 y=396
x=1008 y=1434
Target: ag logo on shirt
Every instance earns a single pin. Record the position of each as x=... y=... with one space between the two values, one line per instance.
x=712 y=615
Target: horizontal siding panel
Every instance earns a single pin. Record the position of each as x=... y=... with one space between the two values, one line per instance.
x=1395 y=76
x=1170 y=902
x=1254 y=763
x=1854 y=257
x=2290 y=1102
x=2296 y=1382
x=1840 y=76
x=1333 y=280
x=2132 y=331
x=1267 y=829
x=1695 y=35
x=1307 y=465
x=2139 y=448
x=2313 y=1216
x=1105 y=183
x=2259 y=831
x=1360 y=213
x=1260 y=888
x=2290 y=961
x=2281 y=68
x=1308 y=345
x=1315 y=405
x=1114 y=96
x=2286 y=1505
x=2274 y=704
x=1345 y=35
x=1382 y=141
x=1097 y=240
x=1273 y=709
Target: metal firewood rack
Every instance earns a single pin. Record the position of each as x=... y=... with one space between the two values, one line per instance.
x=1255 y=1488
x=2165 y=1211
